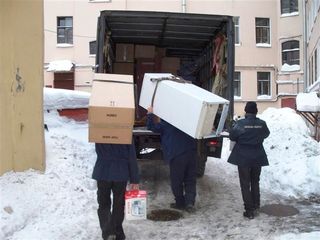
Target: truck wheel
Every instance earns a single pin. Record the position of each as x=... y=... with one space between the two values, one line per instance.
x=201 y=164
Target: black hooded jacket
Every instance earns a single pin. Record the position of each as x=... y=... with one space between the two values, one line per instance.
x=249 y=134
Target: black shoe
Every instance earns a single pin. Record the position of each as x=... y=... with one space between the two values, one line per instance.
x=248 y=214
x=109 y=237
x=120 y=237
x=175 y=206
x=190 y=208
x=256 y=212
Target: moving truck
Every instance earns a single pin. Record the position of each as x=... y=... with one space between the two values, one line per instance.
x=196 y=47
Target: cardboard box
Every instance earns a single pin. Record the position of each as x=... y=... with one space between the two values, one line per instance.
x=144 y=51
x=170 y=65
x=111 y=109
x=110 y=134
x=161 y=52
x=184 y=105
x=124 y=52
x=123 y=68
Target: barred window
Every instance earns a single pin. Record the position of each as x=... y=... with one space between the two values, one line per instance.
x=291 y=52
x=264 y=84
x=262 y=30
x=289 y=6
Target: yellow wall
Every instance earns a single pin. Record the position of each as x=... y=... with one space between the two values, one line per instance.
x=21 y=91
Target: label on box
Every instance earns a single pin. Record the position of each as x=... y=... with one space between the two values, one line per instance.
x=136 y=205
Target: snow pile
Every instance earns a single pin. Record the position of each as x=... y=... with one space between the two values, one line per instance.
x=290 y=68
x=39 y=205
x=309 y=102
x=294 y=156
x=60 y=66
x=300 y=236
x=54 y=98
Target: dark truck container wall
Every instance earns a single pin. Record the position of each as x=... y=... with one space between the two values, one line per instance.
x=203 y=43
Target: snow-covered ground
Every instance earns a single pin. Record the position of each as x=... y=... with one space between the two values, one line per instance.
x=61 y=202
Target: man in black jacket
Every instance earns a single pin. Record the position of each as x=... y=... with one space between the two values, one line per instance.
x=249 y=155
x=116 y=165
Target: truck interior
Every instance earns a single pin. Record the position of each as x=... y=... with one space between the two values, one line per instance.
x=196 y=47
x=190 y=37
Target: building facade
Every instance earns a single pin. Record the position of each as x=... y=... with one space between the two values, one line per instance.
x=312 y=45
x=269 y=43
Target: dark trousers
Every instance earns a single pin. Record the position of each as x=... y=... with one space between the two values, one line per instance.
x=183 y=177
x=249 y=183
x=111 y=220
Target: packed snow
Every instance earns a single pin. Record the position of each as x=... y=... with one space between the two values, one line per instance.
x=60 y=66
x=308 y=102
x=61 y=202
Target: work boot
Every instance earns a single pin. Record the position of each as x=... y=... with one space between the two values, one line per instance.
x=111 y=237
x=175 y=206
x=256 y=211
x=190 y=208
x=248 y=214
x=120 y=237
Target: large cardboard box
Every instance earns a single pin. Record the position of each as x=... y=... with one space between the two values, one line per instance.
x=123 y=68
x=144 y=51
x=184 y=105
x=170 y=65
x=124 y=52
x=111 y=109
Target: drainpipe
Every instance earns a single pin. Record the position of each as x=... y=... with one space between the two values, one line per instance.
x=305 y=57
x=183 y=5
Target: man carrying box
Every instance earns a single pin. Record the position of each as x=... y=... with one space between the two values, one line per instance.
x=111 y=119
x=180 y=153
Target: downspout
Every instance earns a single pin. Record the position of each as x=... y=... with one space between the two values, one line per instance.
x=183 y=6
x=305 y=57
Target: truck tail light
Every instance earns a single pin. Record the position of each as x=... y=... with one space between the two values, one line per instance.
x=213 y=143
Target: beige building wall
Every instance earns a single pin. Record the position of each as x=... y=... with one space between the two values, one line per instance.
x=21 y=73
x=291 y=28
x=313 y=45
x=249 y=58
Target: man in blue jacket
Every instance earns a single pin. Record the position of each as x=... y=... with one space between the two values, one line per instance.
x=116 y=165
x=179 y=150
x=249 y=155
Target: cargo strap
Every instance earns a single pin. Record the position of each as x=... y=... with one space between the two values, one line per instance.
x=157 y=80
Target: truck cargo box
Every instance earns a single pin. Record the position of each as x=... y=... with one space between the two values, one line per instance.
x=184 y=105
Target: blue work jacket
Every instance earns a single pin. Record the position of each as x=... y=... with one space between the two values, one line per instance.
x=173 y=141
x=116 y=162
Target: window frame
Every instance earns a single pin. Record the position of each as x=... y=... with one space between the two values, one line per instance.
x=236 y=30
x=237 y=81
x=93 y=42
x=291 y=9
x=67 y=35
x=287 y=54
x=259 y=30
x=260 y=89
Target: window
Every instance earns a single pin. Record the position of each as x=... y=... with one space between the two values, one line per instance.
x=262 y=30
x=64 y=30
x=311 y=71
x=289 y=6
x=263 y=83
x=237 y=84
x=291 y=52
x=236 y=30
x=92 y=47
